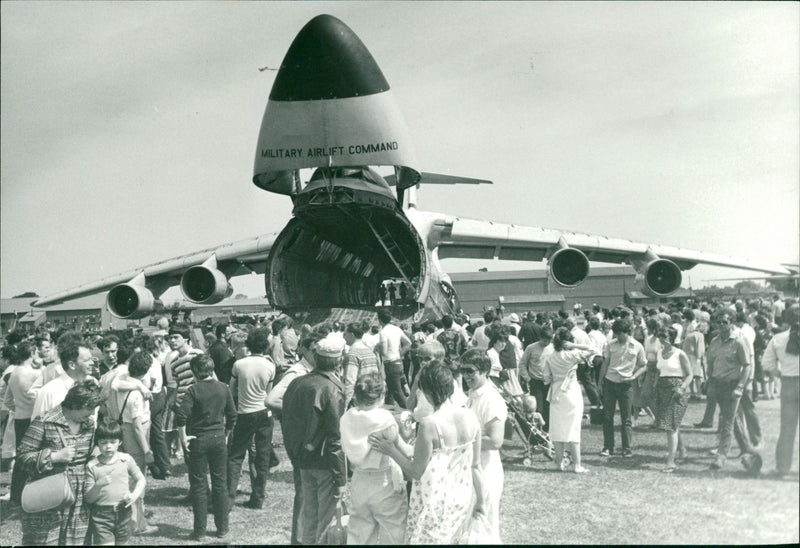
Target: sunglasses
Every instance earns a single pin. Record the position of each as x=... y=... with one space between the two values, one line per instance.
x=468 y=371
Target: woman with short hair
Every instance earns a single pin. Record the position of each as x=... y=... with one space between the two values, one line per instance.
x=672 y=391
x=61 y=439
x=490 y=408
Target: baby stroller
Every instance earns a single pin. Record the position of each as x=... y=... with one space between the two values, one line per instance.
x=526 y=422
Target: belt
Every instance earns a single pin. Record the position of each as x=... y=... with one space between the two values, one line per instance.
x=373 y=471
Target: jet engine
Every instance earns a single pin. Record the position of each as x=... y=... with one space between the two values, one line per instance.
x=131 y=300
x=568 y=266
x=204 y=284
x=657 y=277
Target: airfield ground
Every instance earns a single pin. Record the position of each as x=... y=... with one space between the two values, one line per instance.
x=621 y=501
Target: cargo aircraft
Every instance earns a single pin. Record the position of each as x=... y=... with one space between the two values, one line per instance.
x=353 y=230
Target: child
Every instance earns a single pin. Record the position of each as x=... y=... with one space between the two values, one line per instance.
x=378 y=495
x=109 y=476
x=207 y=408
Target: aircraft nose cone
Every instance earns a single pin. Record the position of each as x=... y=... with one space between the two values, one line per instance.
x=327 y=61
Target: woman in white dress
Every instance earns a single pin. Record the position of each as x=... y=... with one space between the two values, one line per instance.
x=487 y=403
x=566 y=398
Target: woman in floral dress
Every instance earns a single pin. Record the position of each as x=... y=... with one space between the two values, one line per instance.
x=444 y=464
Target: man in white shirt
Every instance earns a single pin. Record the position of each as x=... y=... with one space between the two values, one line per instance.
x=118 y=382
x=623 y=359
x=158 y=405
x=251 y=380
x=531 y=369
x=77 y=361
x=393 y=344
x=306 y=349
x=371 y=335
x=479 y=337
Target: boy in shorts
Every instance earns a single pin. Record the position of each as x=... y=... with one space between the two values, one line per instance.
x=109 y=476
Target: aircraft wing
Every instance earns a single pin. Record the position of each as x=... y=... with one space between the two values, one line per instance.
x=232 y=259
x=477 y=239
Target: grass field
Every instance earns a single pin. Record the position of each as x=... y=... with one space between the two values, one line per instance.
x=620 y=501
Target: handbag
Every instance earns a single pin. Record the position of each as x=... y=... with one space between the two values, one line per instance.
x=336 y=532
x=52 y=492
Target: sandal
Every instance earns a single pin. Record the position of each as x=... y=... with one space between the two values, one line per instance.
x=668 y=470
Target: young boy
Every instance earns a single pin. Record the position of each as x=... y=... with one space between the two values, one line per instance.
x=109 y=476
x=207 y=408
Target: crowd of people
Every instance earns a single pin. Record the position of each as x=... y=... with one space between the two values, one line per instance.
x=411 y=417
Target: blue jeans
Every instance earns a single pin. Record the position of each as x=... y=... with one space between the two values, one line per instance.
x=158 y=443
x=258 y=425
x=208 y=454
x=110 y=524
x=617 y=393
x=395 y=379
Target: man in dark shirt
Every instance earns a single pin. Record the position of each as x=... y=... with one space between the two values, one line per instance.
x=530 y=332
x=312 y=407
x=452 y=339
x=222 y=355
x=208 y=414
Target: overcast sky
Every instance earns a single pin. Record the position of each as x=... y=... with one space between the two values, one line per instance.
x=129 y=129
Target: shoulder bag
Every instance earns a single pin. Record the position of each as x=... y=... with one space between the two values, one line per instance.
x=52 y=492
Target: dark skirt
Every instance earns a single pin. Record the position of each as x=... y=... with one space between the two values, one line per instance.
x=670 y=405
